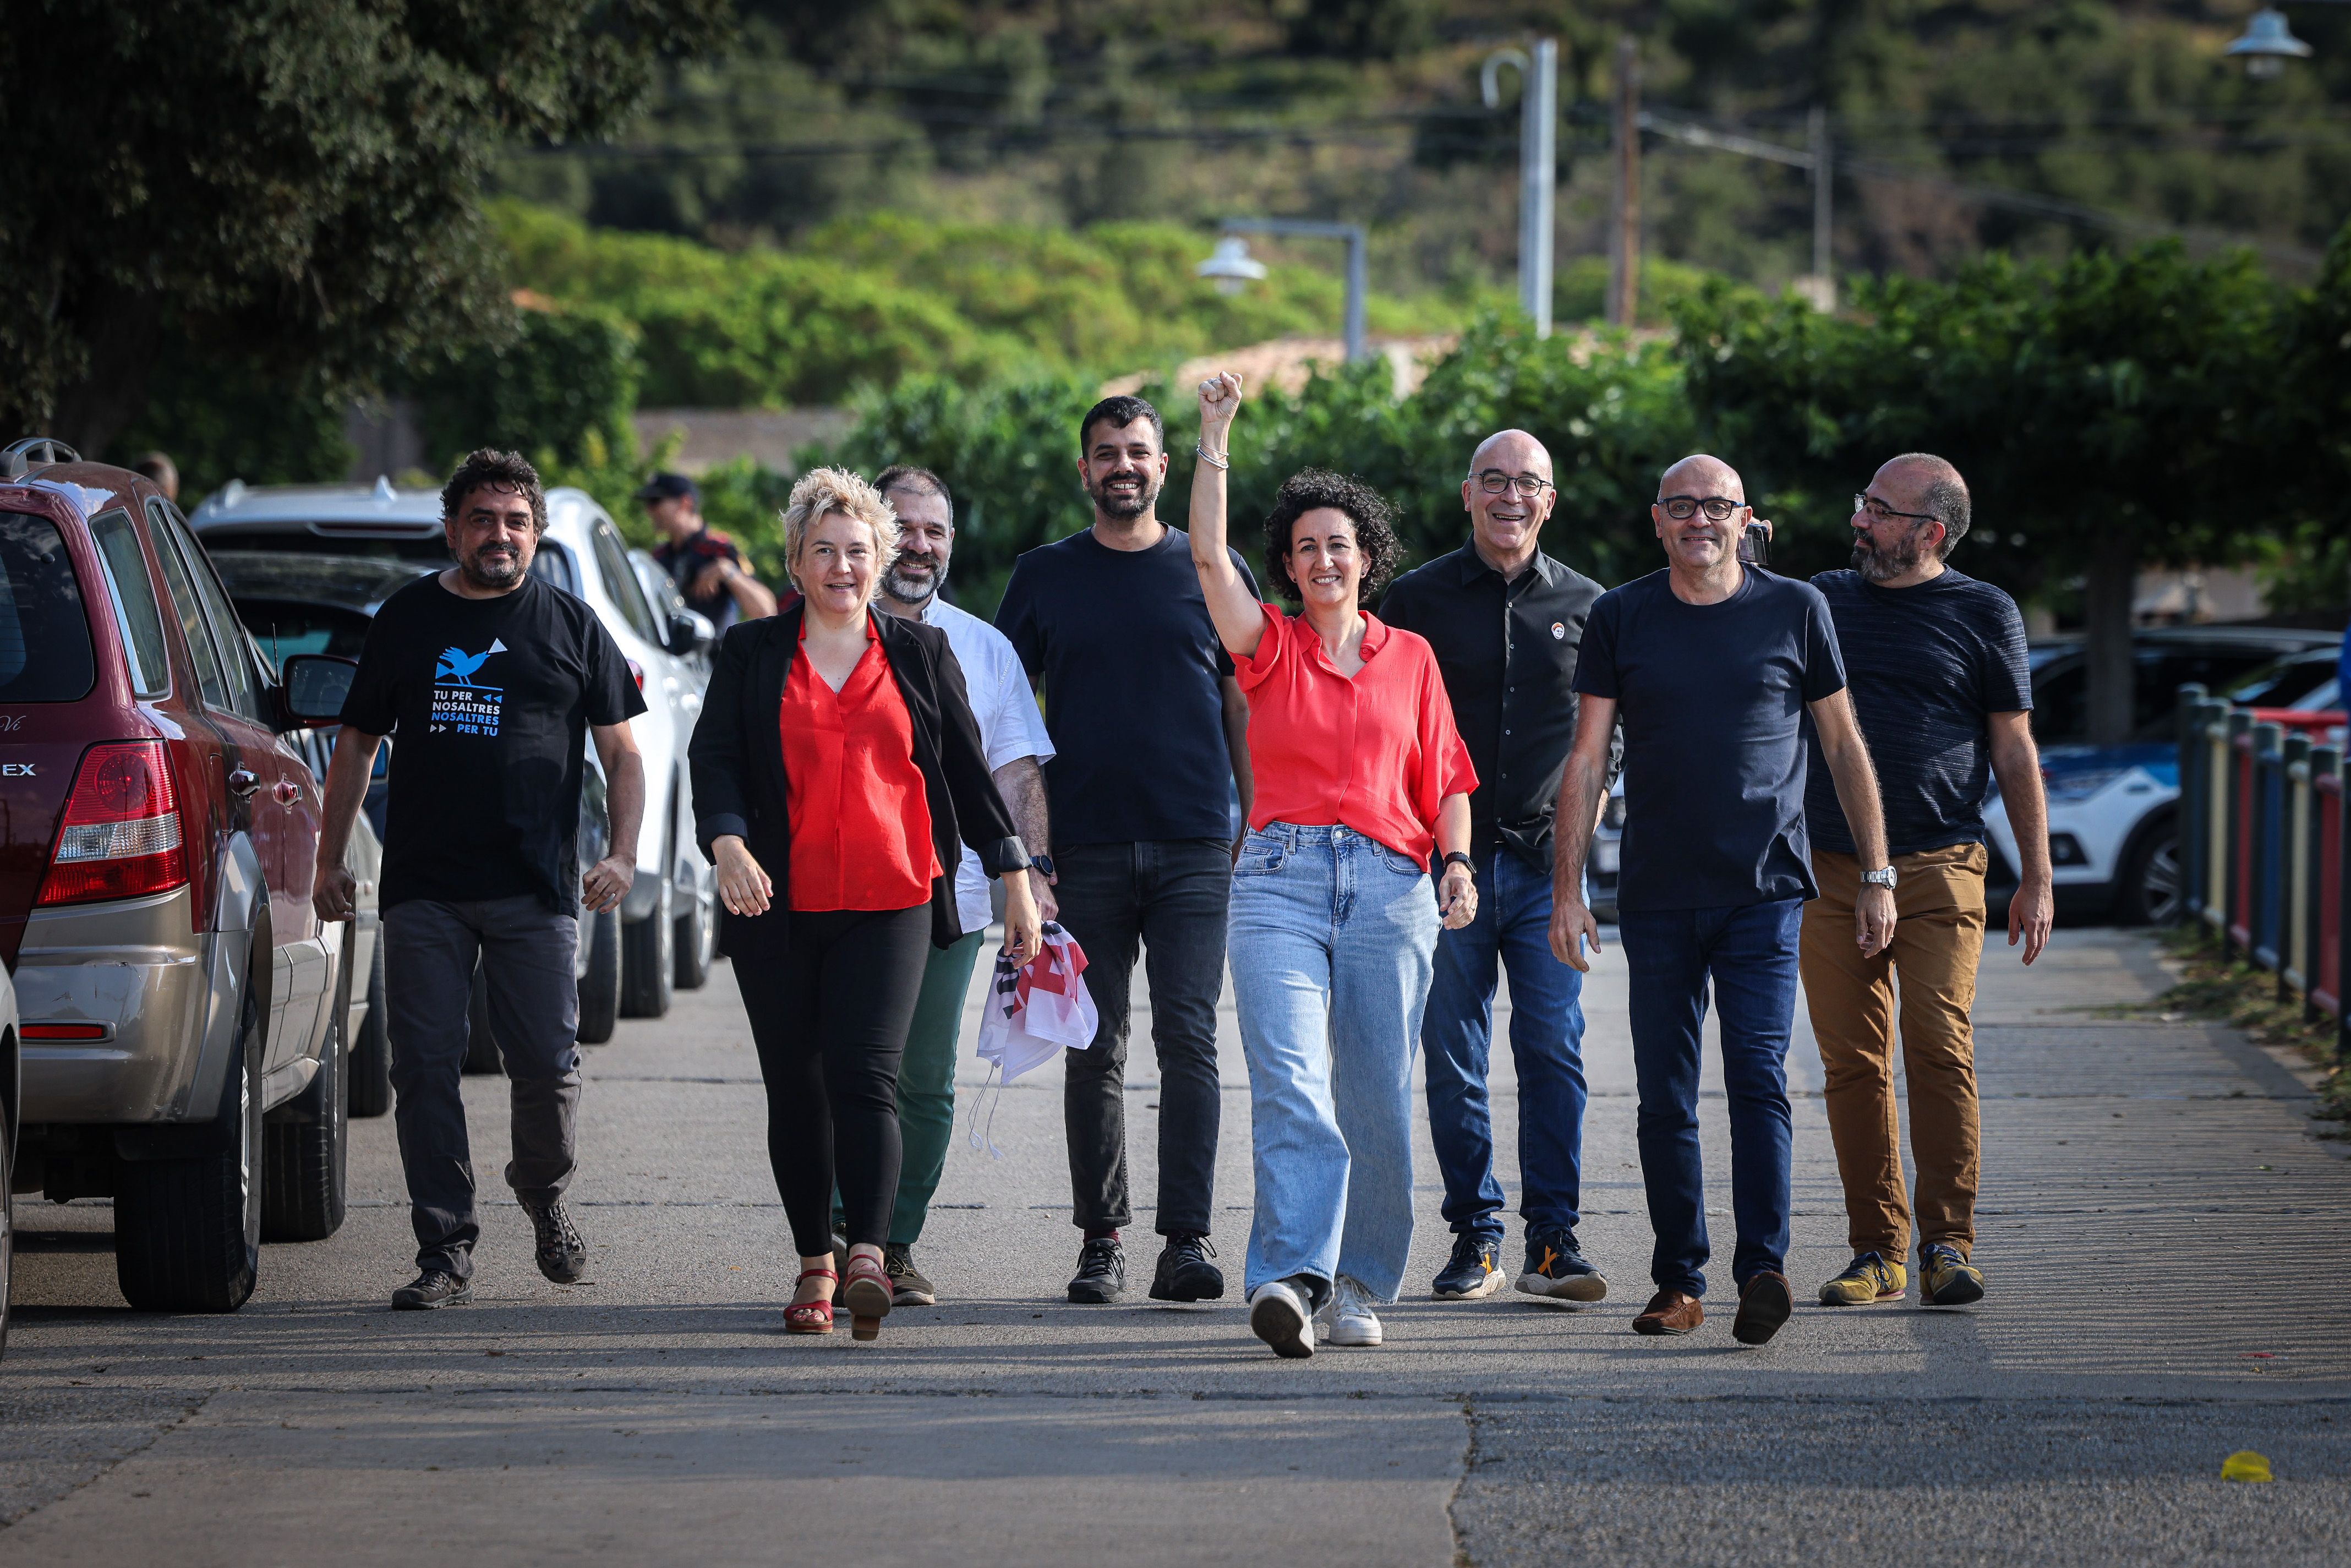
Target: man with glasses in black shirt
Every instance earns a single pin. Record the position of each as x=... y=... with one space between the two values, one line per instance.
x=1506 y=622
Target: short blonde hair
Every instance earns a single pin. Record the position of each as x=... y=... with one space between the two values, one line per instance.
x=820 y=492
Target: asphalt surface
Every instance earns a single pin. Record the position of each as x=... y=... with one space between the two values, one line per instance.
x=2163 y=1235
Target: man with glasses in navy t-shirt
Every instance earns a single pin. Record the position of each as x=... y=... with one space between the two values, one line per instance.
x=1712 y=667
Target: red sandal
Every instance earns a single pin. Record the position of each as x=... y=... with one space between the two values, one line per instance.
x=811 y=1317
x=866 y=1292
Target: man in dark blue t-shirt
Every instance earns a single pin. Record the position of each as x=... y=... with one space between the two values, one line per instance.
x=1713 y=667
x=1944 y=700
x=1149 y=733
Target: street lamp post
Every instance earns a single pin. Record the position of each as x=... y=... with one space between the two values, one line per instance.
x=1231 y=266
x=1538 y=166
x=2267 y=43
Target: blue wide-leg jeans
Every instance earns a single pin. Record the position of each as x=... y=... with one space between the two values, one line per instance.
x=1512 y=931
x=1331 y=944
x=1749 y=952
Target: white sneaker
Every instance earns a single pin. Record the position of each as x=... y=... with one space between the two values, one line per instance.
x=1279 y=1316
x=1352 y=1320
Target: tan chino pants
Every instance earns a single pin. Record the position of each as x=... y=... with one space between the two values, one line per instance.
x=1938 y=903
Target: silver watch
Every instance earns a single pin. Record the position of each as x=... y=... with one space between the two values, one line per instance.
x=1882 y=877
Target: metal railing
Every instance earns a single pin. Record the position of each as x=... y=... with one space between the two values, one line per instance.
x=2262 y=838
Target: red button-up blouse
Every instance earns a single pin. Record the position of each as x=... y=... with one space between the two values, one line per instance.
x=1375 y=752
x=861 y=819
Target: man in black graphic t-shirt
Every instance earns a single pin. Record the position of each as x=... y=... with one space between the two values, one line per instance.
x=491 y=679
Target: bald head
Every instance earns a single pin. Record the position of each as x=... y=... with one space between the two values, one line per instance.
x=1923 y=482
x=1505 y=520
x=1701 y=476
x=1513 y=451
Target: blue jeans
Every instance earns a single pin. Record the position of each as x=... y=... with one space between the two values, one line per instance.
x=1512 y=929
x=1750 y=952
x=1332 y=942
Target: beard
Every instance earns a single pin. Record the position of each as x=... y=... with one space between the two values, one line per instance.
x=1884 y=565
x=1121 y=508
x=911 y=590
x=500 y=570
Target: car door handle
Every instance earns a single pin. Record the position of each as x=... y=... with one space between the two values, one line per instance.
x=243 y=782
x=287 y=791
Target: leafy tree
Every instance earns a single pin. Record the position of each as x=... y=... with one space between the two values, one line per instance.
x=2109 y=411
x=567 y=378
x=291 y=180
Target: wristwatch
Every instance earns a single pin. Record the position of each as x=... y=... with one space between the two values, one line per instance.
x=1464 y=860
x=1043 y=865
x=1882 y=877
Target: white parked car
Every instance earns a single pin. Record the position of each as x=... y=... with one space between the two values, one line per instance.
x=668 y=923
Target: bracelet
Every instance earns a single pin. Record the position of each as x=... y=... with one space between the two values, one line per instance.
x=1464 y=860
x=1211 y=459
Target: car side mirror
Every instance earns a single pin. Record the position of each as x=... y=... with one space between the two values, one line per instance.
x=313 y=686
x=691 y=632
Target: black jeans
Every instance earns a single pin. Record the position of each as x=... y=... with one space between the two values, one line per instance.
x=526 y=951
x=829 y=1024
x=1169 y=896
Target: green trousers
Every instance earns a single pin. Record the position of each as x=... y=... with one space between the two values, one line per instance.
x=927 y=1086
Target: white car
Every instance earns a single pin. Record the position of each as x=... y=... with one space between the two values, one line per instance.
x=668 y=923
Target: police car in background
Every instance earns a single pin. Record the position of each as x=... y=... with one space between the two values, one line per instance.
x=2113 y=832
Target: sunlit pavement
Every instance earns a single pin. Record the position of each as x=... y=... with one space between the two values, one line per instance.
x=2165 y=1241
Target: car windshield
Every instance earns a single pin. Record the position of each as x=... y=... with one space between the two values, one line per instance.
x=423 y=549
x=2061 y=691
x=284 y=629
x=45 y=648
x=2285 y=683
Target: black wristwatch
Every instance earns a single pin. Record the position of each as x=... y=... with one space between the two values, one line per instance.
x=1043 y=865
x=1464 y=860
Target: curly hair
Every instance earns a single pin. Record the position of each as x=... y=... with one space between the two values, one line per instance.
x=820 y=492
x=1375 y=521
x=487 y=467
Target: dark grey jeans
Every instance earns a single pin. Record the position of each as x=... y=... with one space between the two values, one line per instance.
x=1168 y=898
x=526 y=951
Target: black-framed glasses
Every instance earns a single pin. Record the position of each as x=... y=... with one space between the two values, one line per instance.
x=1493 y=481
x=1880 y=511
x=1717 y=508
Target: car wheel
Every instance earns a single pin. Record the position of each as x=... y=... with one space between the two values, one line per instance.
x=370 y=1066
x=2149 y=894
x=698 y=931
x=304 y=1149
x=649 y=958
x=599 y=987
x=187 y=1232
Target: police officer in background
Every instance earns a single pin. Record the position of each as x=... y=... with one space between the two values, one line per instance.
x=704 y=563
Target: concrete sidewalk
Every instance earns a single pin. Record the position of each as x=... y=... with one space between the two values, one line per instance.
x=2163 y=1237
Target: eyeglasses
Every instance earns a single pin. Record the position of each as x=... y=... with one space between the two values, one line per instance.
x=1493 y=481
x=1681 y=508
x=1880 y=511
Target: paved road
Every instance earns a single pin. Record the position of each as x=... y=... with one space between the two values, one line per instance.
x=2165 y=1241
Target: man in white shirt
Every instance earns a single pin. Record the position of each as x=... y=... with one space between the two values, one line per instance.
x=1014 y=734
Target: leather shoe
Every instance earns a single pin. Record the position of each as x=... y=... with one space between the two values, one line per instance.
x=1669 y=1312
x=1764 y=1303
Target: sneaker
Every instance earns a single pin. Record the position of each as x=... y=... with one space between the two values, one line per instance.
x=1280 y=1316
x=1470 y=1273
x=1349 y=1319
x=1102 y=1272
x=1947 y=1279
x=1868 y=1278
x=907 y=1286
x=563 y=1255
x=1185 y=1273
x=1556 y=1270
x=1764 y=1303
x=433 y=1288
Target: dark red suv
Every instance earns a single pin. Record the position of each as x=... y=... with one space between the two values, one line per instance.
x=183 y=1011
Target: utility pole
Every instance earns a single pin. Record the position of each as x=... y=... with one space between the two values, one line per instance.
x=1624 y=237
x=1537 y=167
x=1234 y=266
x=1817 y=135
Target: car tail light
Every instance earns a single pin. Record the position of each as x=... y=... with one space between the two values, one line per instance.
x=120 y=837
x=637 y=672
x=65 y=1031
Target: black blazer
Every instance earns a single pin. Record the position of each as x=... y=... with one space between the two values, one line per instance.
x=737 y=757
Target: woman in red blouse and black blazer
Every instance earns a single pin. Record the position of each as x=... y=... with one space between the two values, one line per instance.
x=836 y=767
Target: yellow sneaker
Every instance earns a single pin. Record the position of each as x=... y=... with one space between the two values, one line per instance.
x=1867 y=1279
x=1947 y=1279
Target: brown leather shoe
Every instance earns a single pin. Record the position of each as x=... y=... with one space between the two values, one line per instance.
x=1764 y=1303
x=1669 y=1312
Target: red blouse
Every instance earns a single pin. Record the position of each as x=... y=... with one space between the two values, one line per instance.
x=861 y=819
x=1374 y=752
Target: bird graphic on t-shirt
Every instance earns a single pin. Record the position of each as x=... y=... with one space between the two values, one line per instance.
x=457 y=666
